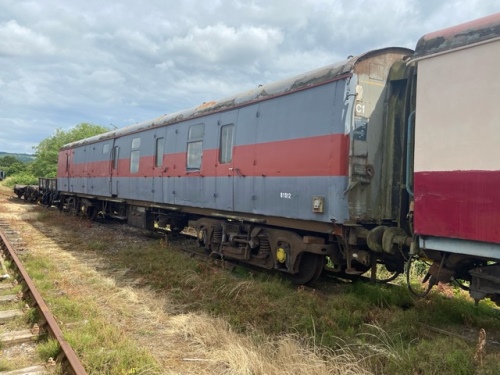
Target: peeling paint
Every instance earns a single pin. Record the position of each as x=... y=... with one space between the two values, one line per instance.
x=459 y=36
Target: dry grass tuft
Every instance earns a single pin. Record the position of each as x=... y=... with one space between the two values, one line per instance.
x=391 y=347
x=217 y=349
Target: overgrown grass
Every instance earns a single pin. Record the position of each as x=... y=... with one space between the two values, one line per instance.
x=380 y=326
x=102 y=348
x=272 y=305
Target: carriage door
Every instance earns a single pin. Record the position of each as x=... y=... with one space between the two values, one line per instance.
x=226 y=170
x=159 y=164
x=64 y=173
x=113 y=168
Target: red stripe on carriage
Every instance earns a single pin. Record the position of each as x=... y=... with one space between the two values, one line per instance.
x=315 y=156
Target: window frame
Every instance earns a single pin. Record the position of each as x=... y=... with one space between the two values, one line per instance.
x=194 y=157
x=226 y=147
x=159 y=151
x=135 y=156
x=134 y=161
x=116 y=153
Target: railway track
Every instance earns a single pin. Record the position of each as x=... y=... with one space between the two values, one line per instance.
x=19 y=298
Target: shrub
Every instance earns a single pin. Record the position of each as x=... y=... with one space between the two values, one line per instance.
x=22 y=178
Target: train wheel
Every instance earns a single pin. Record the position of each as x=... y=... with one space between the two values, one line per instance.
x=72 y=206
x=91 y=212
x=310 y=268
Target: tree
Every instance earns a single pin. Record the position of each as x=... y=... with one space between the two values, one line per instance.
x=45 y=164
x=11 y=165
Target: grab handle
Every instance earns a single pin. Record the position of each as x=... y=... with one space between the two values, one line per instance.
x=410 y=153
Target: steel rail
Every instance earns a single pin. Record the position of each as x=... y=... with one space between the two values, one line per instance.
x=68 y=358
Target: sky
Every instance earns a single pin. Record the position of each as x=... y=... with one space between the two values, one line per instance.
x=116 y=63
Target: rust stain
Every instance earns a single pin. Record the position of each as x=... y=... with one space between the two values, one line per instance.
x=459 y=36
x=205 y=105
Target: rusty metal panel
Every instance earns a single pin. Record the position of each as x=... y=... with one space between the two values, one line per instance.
x=459 y=36
x=370 y=164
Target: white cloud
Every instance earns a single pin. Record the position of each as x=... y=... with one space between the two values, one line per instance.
x=62 y=63
x=226 y=45
x=105 y=77
x=17 y=40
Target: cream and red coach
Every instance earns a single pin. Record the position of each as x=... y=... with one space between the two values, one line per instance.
x=456 y=153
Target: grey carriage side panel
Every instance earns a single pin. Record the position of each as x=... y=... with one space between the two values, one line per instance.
x=225 y=172
x=246 y=134
x=318 y=111
x=133 y=178
x=99 y=159
x=193 y=187
x=88 y=169
x=172 y=140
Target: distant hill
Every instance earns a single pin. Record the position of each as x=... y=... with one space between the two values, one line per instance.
x=25 y=158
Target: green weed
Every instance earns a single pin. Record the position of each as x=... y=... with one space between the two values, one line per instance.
x=48 y=349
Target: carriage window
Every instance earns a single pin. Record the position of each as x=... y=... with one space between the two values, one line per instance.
x=195 y=146
x=196 y=131
x=226 y=144
x=115 y=156
x=105 y=148
x=136 y=143
x=134 y=161
x=194 y=152
x=160 y=142
x=134 y=155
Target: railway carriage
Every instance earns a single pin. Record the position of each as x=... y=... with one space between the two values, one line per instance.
x=262 y=175
x=381 y=158
x=456 y=165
